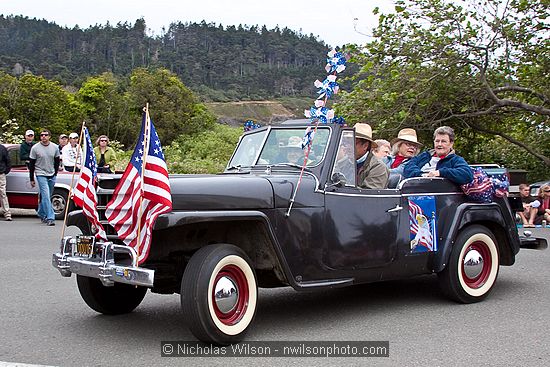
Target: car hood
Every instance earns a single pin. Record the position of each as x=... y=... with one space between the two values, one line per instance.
x=219 y=192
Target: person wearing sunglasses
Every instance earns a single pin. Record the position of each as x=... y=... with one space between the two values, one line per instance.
x=543 y=209
x=44 y=163
x=104 y=154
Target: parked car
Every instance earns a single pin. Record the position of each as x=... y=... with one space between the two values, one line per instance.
x=230 y=233
x=22 y=195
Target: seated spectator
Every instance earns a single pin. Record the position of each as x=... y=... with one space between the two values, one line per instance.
x=404 y=147
x=543 y=209
x=382 y=149
x=72 y=154
x=442 y=161
x=104 y=154
x=371 y=172
x=529 y=213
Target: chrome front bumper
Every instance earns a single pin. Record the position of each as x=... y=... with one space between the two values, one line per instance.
x=101 y=264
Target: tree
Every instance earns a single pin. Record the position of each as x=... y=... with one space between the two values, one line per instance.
x=106 y=107
x=479 y=66
x=174 y=108
x=36 y=102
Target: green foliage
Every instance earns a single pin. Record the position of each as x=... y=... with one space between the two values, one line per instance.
x=7 y=134
x=205 y=152
x=479 y=66
x=175 y=109
x=36 y=102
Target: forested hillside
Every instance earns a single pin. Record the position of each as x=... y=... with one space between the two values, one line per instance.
x=219 y=63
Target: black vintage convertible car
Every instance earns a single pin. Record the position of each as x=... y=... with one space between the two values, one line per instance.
x=233 y=232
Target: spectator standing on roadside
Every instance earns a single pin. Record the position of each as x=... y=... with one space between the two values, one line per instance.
x=105 y=155
x=25 y=147
x=44 y=160
x=5 y=167
x=72 y=154
x=63 y=140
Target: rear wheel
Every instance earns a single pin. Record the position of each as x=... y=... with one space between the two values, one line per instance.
x=473 y=266
x=219 y=294
x=116 y=300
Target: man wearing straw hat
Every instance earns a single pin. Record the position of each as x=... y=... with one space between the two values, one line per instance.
x=44 y=159
x=404 y=147
x=371 y=172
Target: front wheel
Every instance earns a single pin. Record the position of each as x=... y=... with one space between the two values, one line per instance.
x=219 y=294
x=116 y=300
x=59 y=203
x=473 y=266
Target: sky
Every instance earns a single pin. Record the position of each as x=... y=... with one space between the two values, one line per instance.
x=336 y=22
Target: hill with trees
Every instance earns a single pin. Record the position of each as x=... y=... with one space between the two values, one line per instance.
x=219 y=63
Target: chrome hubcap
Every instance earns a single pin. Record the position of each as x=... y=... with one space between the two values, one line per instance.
x=473 y=264
x=226 y=294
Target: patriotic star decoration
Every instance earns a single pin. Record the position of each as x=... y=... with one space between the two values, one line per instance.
x=336 y=62
x=308 y=137
x=319 y=112
x=339 y=120
x=327 y=87
x=250 y=125
x=323 y=114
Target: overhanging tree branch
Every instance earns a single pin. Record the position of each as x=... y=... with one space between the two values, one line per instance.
x=507 y=137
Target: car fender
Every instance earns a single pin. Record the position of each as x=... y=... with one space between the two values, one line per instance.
x=174 y=219
x=61 y=185
x=490 y=215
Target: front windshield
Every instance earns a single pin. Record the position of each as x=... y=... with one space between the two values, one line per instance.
x=248 y=149
x=282 y=146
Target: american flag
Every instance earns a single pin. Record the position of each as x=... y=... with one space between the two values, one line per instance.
x=142 y=193
x=84 y=193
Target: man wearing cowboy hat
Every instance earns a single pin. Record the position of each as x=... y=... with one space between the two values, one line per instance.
x=404 y=147
x=371 y=172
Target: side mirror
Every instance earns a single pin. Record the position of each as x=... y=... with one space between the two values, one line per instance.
x=338 y=179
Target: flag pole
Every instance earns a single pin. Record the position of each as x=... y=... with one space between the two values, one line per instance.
x=287 y=214
x=146 y=133
x=67 y=204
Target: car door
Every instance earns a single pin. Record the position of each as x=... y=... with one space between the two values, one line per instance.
x=361 y=225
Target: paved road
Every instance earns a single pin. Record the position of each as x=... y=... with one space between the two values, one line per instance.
x=44 y=321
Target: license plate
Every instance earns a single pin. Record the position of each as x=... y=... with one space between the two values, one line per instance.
x=85 y=246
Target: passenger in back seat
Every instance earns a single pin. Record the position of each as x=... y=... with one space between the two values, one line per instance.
x=442 y=161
